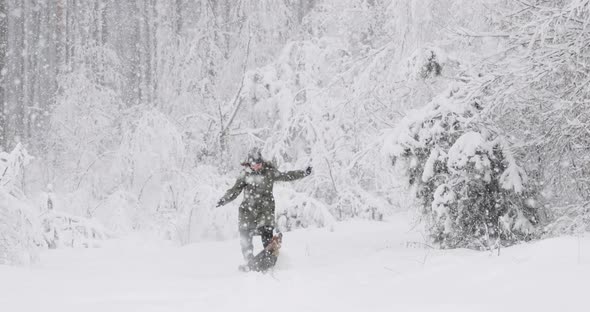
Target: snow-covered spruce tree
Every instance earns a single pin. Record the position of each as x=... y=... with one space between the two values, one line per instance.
x=472 y=190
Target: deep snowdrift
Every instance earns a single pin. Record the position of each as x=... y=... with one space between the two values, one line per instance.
x=360 y=266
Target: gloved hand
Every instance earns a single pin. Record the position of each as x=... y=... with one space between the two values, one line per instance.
x=219 y=203
x=308 y=170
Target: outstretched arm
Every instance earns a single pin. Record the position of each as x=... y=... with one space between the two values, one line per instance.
x=233 y=192
x=292 y=175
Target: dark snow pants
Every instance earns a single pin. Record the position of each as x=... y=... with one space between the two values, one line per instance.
x=246 y=236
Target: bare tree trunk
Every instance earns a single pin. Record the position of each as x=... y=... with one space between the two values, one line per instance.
x=67 y=26
x=3 y=61
x=72 y=7
x=25 y=85
x=147 y=49
x=16 y=72
x=304 y=6
x=46 y=80
x=155 y=51
x=97 y=62
x=178 y=17
x=137 y=55
x=32 y=117
x=227 y=26
x=103 y=22
x=60 y=23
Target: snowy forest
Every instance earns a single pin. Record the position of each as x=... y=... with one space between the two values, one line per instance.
x=133 y=117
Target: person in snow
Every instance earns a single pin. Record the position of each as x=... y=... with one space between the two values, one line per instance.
x=257 y=211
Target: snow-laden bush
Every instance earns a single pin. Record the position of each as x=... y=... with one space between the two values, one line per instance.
x=573 y=219
x=60 y=228
x=65 y=230
x=12 y=169
x=19 y=230
x=472 y=189
x=119 y=212
x=297 y=210
x=426 y=63
x=199 y=218
x=150 y=160
x=85 y=124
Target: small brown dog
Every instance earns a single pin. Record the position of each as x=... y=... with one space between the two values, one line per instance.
x=275 y=244
x=267 y=258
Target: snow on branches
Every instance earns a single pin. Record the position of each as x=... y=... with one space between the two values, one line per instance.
x=299 y=103
x=473 y=191
x=151 y=156
x=19 y=231
x=537 y=90
x=12 y=166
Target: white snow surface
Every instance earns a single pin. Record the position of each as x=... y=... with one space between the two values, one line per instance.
x=359 y=266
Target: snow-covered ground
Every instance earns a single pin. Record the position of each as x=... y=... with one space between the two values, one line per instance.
x=359 y=266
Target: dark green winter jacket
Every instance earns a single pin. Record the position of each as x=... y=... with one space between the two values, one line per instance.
x=258 y=207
